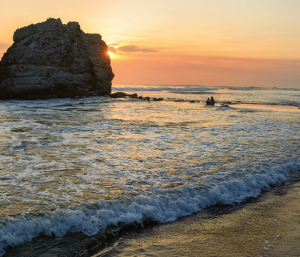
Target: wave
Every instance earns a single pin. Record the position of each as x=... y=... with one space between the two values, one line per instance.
x=189 y=88
x=263 y=88
x=185 y=88
x=223 y=188
x=244 y=88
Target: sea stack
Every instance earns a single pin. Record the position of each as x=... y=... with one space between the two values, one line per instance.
x=54 y=60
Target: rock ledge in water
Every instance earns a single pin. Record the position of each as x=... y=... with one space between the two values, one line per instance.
x=50 y=59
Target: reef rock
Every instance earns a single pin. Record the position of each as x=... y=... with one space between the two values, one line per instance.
x=51 y=59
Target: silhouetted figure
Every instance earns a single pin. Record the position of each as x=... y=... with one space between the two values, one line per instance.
x=212 y=101
x=207 y=101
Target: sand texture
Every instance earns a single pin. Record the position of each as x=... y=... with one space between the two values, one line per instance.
x=269 y=226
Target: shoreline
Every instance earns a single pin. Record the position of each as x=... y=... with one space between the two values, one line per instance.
x=267 y=226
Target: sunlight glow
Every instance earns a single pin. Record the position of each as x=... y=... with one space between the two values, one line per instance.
x=110 y=54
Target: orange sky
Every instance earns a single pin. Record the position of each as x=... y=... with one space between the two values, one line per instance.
x=200 y=42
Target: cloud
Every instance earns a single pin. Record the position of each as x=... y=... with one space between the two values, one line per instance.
x=4 y=46
x=133 y=49
x=122 y=49
x=112 y=49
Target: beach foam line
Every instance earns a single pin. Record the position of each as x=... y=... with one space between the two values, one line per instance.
x=166 y=207
x=268 y=227
x=281 y=108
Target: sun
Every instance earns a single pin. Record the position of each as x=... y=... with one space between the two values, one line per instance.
x=110 y=54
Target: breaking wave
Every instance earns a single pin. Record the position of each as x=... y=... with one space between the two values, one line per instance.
x=222 y=188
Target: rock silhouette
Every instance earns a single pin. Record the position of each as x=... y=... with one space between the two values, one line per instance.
x=54 y=60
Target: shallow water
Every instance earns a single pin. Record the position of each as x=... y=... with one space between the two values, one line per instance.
x=81 y=165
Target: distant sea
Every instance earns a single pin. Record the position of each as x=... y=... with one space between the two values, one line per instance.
x=95 y=165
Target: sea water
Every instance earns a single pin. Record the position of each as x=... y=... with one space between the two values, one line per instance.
x=83 y=165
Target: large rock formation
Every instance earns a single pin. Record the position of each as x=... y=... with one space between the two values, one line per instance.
x=50 y=59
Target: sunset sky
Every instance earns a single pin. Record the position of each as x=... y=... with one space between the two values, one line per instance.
x=193 y=42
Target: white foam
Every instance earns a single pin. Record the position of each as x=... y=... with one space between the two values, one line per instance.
x=162 y=208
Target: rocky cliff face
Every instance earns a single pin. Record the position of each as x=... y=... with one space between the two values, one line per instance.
x=50 y=59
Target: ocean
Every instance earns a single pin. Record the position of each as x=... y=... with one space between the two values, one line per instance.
x=93 y=166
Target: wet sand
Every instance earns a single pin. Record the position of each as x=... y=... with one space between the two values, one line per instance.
x=269 y=226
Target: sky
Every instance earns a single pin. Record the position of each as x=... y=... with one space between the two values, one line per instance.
x=181 y=42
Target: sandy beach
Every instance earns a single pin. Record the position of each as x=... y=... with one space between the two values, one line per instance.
x=268 y=226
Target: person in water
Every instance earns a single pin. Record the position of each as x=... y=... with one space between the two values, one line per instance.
x=212 y=101
x=207 y=101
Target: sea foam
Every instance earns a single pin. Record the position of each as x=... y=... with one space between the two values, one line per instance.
x=162 y=208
